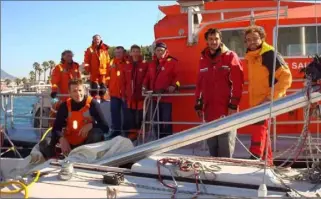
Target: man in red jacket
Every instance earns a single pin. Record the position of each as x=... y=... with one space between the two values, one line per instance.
x=133 y=71
x=162 y=77
x=219 y=89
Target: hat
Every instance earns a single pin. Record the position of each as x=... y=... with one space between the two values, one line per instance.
x=161 y=45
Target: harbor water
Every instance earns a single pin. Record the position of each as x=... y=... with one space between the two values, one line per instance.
x=22 y=106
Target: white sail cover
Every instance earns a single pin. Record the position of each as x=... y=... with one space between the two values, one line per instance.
x=13 y=167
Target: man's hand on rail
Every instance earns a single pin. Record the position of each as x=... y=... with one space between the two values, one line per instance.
x=171 y=89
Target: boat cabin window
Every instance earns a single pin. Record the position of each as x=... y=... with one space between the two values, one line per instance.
x=299 y=41
x=234 y=40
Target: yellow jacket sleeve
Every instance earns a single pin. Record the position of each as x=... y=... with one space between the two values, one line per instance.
x=283 y=76
x=284 y=80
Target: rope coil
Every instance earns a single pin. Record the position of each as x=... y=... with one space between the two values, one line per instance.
x=185 y=165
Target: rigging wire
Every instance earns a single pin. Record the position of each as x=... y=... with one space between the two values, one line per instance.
x=268 y=140
x=316 y=27
x=317 y=52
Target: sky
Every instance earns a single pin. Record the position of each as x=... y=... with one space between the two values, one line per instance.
x=37 y=31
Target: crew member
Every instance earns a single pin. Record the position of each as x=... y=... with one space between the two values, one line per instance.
x=65 y=71
x=114 y=85
x=260 y=61
x=162 y=77
x=134 y=72
x=219 y=89
x=79 y=121
x=96 y=62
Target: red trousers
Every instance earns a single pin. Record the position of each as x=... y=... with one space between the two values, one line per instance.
x=259 y=141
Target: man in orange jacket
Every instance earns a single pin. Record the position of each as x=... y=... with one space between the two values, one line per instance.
x=134 y=71
x=79 y=121
x=260 y=63
x=162 y=77
x=65 y=71
x=114 y=85
x=96 y=62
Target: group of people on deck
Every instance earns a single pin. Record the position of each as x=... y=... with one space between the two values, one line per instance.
x=219 y=87
x=79 y=118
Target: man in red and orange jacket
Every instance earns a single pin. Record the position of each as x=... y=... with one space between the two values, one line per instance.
x=114 y=84
x=96 y=63
x=219 y=89
x=162 y=77
x=65 y=71
x=133 y=74
x=79 y=121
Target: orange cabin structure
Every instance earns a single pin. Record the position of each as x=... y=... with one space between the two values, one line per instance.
x=299 y=35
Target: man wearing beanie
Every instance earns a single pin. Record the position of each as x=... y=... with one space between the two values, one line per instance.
x=162 y=77
x=219 y=89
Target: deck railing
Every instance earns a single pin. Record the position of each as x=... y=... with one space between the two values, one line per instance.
x=7 y=105
x=148 y=103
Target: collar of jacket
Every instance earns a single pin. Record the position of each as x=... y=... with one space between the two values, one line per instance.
x=162 y=60
x=118 y=61
x=140 y=59
x=207 y=52
x=100 y=46
x=66 y=65
x=255 y=53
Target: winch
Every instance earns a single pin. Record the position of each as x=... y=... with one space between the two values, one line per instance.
x=66 y=171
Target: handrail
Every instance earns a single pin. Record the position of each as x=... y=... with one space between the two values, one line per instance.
x=5 y=102
x=193 y=36
x=193 y=86
x=149 y=94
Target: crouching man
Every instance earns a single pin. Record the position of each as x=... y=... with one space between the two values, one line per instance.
x=79 y=121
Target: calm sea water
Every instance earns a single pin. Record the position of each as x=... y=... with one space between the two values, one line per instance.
x=21 y=106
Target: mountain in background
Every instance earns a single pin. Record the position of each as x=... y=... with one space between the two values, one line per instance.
x=5 y=75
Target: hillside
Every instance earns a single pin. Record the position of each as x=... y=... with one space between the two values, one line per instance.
x=5 y=75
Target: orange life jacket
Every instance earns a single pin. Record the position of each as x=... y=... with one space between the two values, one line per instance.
x=77 y=120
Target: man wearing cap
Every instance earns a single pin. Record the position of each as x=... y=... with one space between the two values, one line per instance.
x=219 y=89
x=162 y=77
